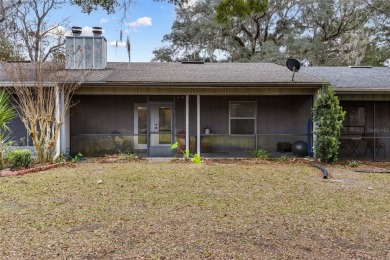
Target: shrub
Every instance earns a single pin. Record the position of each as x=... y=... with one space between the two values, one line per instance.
x=283 y=158
x=127 y=156
x=261 y=154
x=7 y=113
x=20 y=159
x=354 y=164
x=328 y=115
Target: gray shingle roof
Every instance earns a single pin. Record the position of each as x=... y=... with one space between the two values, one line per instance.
x=238 y=73
x=352 y=78
x=198 y=73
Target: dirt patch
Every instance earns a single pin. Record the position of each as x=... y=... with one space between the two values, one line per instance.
x=372 y=169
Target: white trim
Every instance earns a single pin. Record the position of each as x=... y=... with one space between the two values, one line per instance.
x=58 y=119
x=235 y=117
x=198 y=124
x=187 y=122
x=136 y=144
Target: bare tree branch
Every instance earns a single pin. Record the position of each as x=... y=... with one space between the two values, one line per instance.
x=42 y=92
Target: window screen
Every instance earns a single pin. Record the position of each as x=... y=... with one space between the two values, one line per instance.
x=242 y=117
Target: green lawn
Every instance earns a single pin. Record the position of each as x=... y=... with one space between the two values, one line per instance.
x=186 y=211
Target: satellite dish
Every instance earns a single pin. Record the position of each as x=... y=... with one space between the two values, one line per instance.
x=293 y=65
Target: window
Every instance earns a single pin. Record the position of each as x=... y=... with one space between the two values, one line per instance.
x=140 y=126
x=242 y=117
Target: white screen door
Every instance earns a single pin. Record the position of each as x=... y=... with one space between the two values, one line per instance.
x=161 y=125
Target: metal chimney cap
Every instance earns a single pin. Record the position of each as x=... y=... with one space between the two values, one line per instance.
x=77 y=30
x=97 y=31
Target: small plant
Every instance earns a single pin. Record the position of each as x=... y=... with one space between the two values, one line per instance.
x=127 y=156
x=7 y=113
x=354 y=164
x=261 y=154
x=20 y=159
x=195 y=158
x=77 y=158
x=61 y=158
x=283 y=158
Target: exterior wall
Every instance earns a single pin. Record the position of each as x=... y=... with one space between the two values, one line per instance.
x=19 y=133
x=104 y=114
x=105 y=124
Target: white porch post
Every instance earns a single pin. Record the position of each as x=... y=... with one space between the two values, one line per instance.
x=198 y=124
x=63 y=141
x=187 y=122
x=57 y=118
x=65 y=133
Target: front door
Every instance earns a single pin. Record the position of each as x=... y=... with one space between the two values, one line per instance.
x=160 y=129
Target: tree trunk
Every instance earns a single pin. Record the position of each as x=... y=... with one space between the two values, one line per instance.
x=1 y=160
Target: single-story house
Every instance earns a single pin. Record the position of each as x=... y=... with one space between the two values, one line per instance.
x=213 y=109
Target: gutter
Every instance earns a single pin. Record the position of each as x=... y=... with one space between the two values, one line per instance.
x=362 y=90
x=202 y=84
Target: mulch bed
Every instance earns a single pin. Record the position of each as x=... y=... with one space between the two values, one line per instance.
x=37 y=168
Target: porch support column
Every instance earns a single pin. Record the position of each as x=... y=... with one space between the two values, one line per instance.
x=315 y=96
x=198 y=124
x=187 y=122
x=57 y=119
x=65 y=133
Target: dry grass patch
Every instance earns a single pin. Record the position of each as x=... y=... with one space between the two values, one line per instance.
x=165 y=210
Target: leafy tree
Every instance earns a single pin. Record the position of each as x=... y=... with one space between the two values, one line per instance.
x=242 y=22
x=6 y=115
x=115 y=6
x=334 y=24
x=164 y=54
x=228 y=10
x=6 y=51
x=329 y=32
x=195 y=31
x=328 y=116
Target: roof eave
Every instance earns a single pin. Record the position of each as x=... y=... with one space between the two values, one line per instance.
x=362 y=90
x=202 y=84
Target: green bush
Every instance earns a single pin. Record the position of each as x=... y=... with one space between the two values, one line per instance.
x=283 y=158
x=20 y=159
x=261 y=154
x=354 y=164
x=328 y=115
